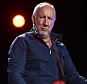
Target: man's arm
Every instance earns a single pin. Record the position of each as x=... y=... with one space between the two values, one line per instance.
x=71 y=74
x=16 y=63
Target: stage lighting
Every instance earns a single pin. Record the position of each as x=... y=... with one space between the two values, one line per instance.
x=18 y=21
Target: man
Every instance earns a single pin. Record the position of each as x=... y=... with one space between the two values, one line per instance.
x=37 y=57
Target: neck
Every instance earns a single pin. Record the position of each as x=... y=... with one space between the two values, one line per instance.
x=48 y=42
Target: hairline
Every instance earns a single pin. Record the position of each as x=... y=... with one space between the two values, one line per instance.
x=40 y=5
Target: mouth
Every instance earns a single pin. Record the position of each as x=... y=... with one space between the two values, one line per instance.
x=44 y=32
x=44 y=28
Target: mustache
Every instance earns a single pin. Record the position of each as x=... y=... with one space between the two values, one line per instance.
x=44 y=33
x=44 y=28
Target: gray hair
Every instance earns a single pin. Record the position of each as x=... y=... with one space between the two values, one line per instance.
x=41 y=5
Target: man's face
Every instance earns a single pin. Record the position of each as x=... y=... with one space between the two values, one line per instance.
x=44 y=20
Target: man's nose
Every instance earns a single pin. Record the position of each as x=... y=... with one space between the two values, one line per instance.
x=45 y=23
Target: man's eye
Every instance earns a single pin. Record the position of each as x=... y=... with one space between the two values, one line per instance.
x=50 y=18
x=41 y=16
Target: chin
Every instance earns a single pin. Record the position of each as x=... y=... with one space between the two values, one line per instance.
x=44 y=33
x=44 y=36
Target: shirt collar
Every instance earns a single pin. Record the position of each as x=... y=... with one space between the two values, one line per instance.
x=56 y=36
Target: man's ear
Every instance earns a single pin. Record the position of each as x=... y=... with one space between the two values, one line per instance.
x=33 y=19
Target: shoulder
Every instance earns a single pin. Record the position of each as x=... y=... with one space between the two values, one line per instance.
x=60 y=43
x=21 y=38
x=24 y=35
x=62 y=46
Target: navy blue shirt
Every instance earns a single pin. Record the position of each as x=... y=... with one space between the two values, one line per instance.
x=32 y=62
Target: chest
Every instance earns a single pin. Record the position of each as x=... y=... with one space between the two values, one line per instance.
x=39 y=51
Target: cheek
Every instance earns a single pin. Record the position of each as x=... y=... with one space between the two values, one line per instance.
x=51 y=25
x=39 y=22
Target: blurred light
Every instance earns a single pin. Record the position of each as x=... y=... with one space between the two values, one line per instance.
x=18 y=21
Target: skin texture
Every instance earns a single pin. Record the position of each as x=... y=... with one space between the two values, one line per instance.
x=44 y=20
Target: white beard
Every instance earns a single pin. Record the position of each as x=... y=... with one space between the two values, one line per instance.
x=43 y=33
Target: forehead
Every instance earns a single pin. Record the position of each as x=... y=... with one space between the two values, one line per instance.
x=46 y=10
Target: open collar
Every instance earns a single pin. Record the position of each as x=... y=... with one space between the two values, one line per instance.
x=53 y=36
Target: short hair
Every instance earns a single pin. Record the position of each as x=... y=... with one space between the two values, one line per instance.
x=41 y=5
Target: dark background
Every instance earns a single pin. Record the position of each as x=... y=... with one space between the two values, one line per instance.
x=71 y=23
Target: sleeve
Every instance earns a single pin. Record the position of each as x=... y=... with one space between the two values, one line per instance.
x=71 y=74
x=16 y=63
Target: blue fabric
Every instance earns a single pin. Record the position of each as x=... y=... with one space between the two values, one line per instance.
x=32 y=63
